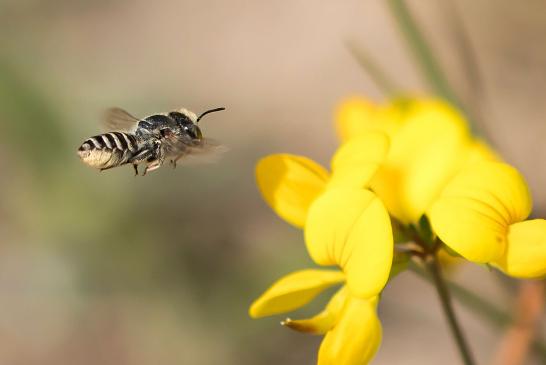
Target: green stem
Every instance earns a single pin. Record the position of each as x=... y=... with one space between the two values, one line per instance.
x=447 y=306
x=379 y=77
x=430 y=67
x=486 y=310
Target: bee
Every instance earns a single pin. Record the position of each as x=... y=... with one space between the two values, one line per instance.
x=149 y=141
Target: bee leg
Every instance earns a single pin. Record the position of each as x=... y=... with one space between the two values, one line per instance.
x=156 y=159
x=175 y=161
x=153 y=157
x=154 y=164
x=148 y=168
x=142 y=156
x=106 y=168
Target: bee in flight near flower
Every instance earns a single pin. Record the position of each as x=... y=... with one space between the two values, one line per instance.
x=149 y=141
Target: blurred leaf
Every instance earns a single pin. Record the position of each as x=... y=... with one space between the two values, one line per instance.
x=450 y=251
x=380 y=78
x=429 y=65
x=425 y=231
x=466 y=52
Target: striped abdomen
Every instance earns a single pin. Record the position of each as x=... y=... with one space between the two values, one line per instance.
x=108 y=150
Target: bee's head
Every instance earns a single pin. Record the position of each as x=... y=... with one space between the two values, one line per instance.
x=188 y=121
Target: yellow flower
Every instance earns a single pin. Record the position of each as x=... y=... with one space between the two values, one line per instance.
x=420 y=159
x=345 y=224
x=430 y=142
x=350 y=324
x=481 y=215
x=290 y=183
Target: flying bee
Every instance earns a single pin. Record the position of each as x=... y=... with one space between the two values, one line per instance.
x=149 y=141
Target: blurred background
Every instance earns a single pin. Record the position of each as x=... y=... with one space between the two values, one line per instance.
x=111 y=269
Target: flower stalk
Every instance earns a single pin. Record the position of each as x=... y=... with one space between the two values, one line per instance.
x=444 y=295
x=427 y=253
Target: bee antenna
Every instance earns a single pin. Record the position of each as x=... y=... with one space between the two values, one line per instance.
x=209 y=111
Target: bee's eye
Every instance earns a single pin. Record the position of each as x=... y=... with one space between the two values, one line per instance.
x=193 y=131
x=197 y=132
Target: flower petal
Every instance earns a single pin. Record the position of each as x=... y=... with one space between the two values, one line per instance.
x=289 y=184
x=357 y=160
x=526 y=250
x=425 y=153
x=355 y=339
x=480 y=151
x=474 y=211
x=325 y=320
x=294 y=291
x=352 y=117
x=351 y=228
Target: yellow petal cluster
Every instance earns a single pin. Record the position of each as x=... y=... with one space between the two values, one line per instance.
x=430 y=143
x=477 y=205
x=481 y=215
x=345 y=224
x=351 y=329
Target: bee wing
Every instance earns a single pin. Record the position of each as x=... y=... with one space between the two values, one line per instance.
x=119 y=120
x=192 y=153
